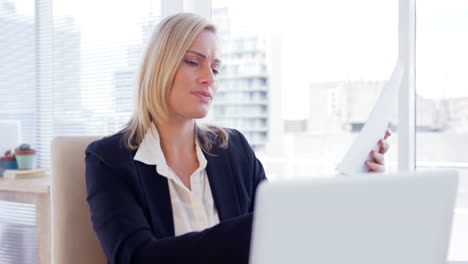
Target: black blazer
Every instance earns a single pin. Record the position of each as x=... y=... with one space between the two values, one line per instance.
x=131 y=207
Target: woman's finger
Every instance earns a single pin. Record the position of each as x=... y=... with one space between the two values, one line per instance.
x=374 y=167
x=384 y=146
x=388 y=133
x=379 y=158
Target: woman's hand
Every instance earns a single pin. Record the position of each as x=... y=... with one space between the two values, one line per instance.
x=378 y=164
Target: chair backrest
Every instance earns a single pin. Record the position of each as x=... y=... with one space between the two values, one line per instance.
x=73 y=238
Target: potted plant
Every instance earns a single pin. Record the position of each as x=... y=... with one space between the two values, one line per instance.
x=25 y=156
x=8 y=162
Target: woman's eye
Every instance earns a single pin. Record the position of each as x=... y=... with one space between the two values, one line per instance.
x=191 y=62
x=215 y=71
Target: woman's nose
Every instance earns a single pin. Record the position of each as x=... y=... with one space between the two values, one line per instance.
x=206 y=76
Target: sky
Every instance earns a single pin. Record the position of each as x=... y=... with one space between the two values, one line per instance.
x=322 y=40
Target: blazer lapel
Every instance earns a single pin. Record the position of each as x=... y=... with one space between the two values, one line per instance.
x=156 y=191
x=222 y=184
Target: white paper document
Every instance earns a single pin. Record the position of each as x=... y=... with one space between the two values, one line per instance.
x=375 y=127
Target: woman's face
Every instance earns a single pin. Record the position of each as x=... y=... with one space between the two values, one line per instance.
x=195 y=82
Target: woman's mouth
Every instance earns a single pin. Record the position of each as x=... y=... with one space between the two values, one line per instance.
x=203 y=96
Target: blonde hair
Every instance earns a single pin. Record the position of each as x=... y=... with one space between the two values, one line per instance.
x=166 y=49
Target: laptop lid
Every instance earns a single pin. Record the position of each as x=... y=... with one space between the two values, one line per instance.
x=367 y=219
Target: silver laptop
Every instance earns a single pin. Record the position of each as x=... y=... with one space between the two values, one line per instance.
x=403 y=218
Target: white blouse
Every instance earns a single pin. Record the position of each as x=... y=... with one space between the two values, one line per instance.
x=192 y=210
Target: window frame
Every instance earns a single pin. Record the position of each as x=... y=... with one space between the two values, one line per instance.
x=407 y=94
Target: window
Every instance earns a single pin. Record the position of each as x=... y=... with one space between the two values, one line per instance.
x=441 y=84
x=18 y=69
x=313 y=75
x=70 y=70
x=442 y=100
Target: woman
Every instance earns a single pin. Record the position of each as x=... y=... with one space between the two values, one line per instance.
x=166 y=189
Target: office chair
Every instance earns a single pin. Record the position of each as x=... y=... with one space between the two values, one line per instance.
x=73 y=238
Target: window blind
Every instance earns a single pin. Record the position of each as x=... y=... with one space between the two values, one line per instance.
x=67 y=68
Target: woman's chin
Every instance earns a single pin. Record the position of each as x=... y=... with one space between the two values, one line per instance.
x=204 y=110
x=200 y=115
x=187 y=114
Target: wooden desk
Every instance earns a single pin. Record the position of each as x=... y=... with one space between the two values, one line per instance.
x=34 y=190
